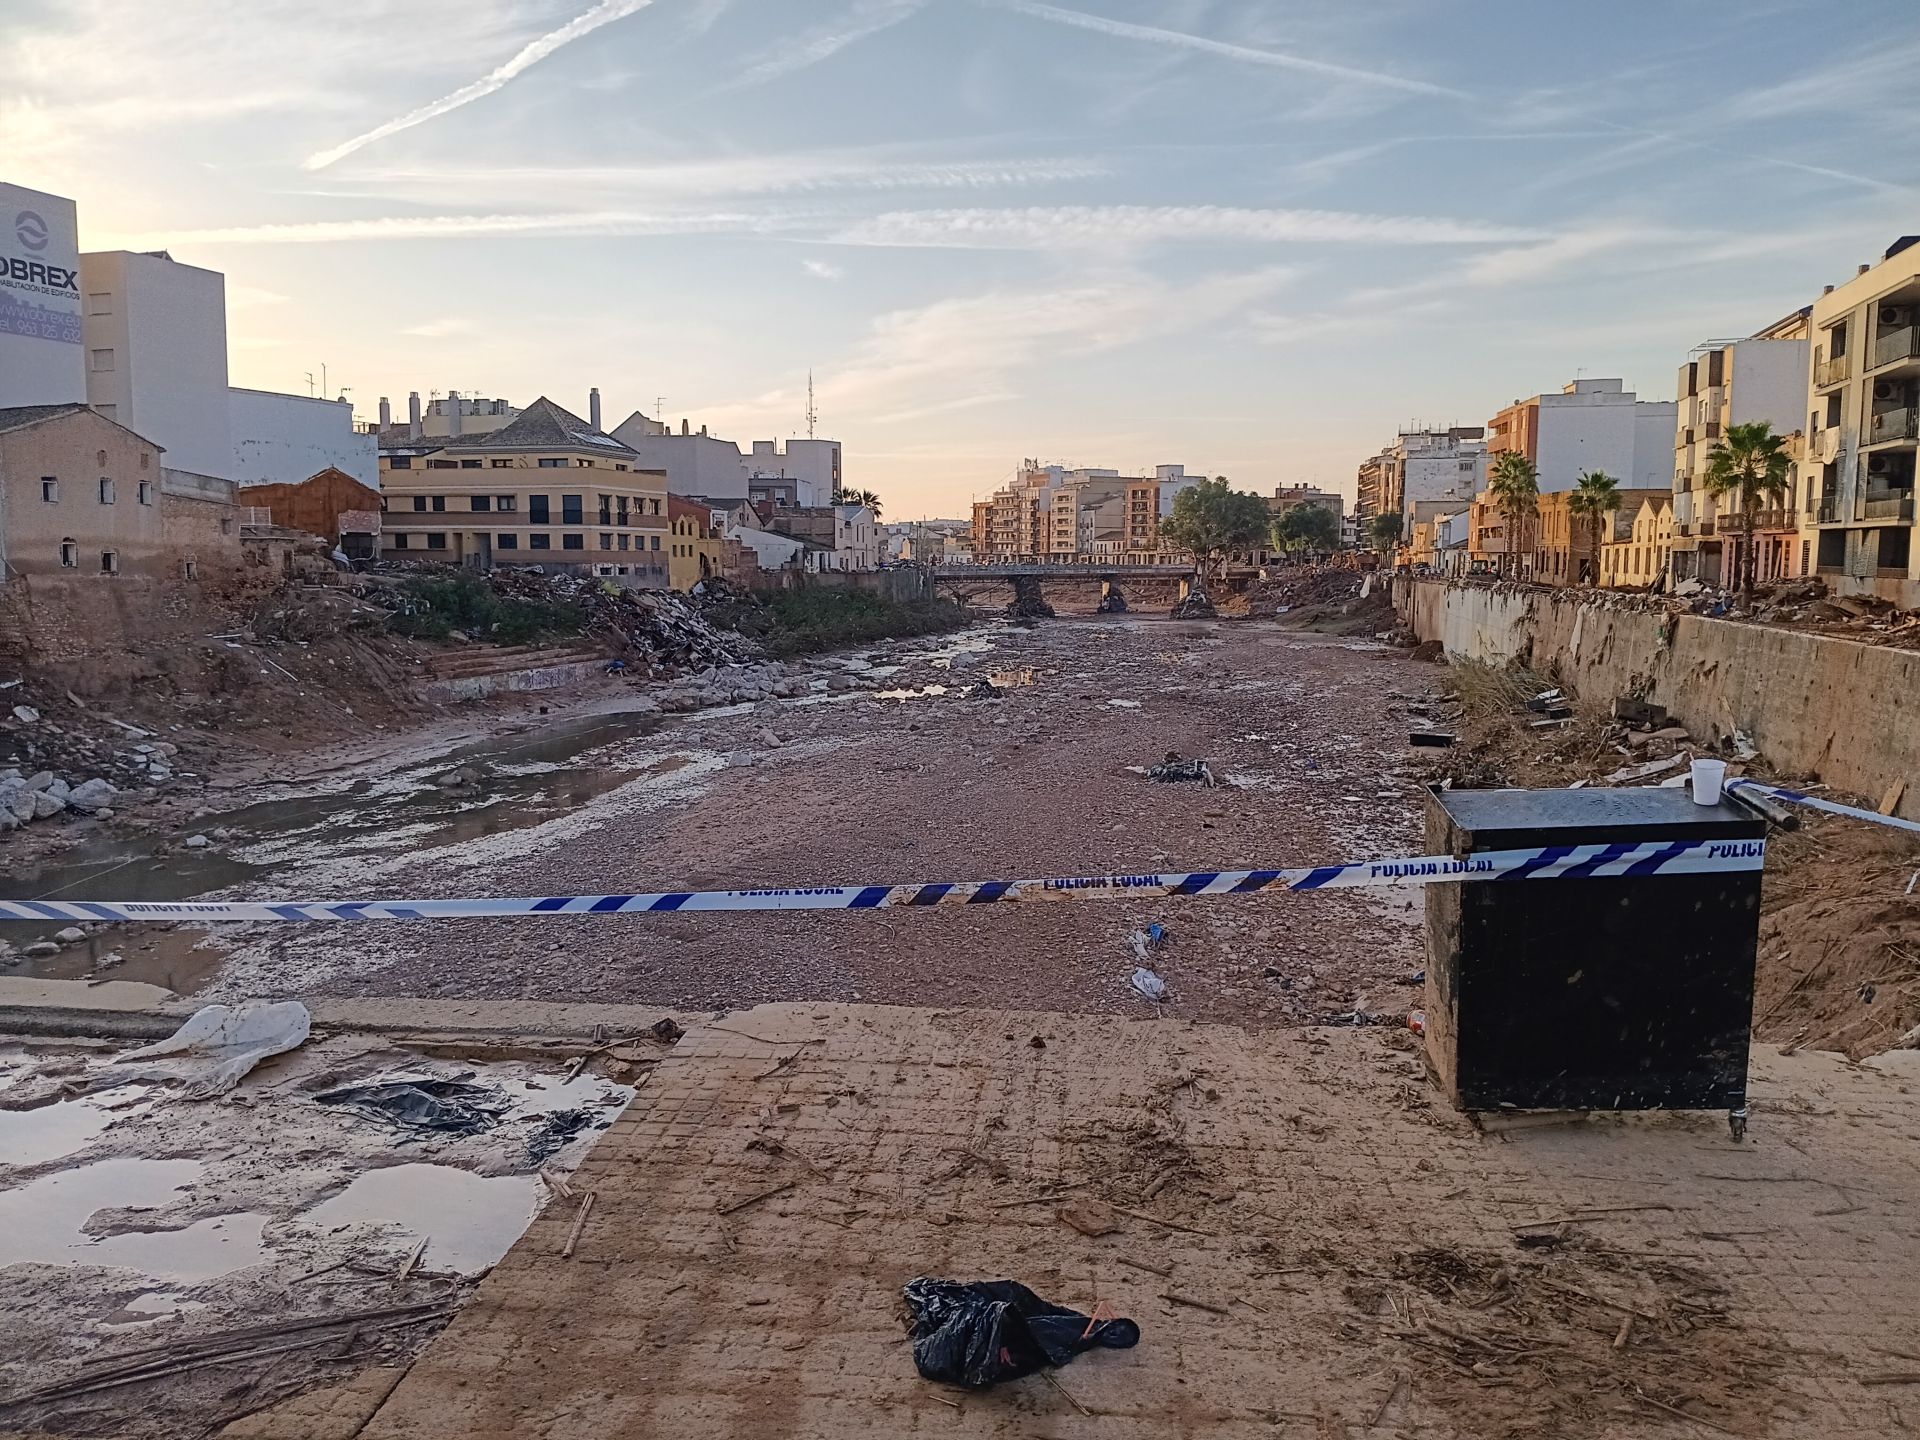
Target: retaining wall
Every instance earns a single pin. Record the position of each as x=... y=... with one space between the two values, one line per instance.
x=1835 y=710
x=503 y=682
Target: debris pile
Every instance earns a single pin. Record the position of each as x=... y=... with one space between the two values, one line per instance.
x=1028 y=601
x=1335 y=598
x=1196 y=606
x=660 y=632
x=57 y=757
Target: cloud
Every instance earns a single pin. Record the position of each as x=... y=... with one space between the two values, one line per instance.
x=1246 y=54
x=243 y=297
x=1075 y=226
x=867 y=17
x=446 y=227
x=529 y=55
x=823 y=270
x=441 y=329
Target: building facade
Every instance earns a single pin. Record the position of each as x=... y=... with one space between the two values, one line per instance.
x=545 y=489
x=1857 y=478
x=284 y=439
x=1590 y=425
x=1727 y=383
x=703 y=465
x=1641 y=559
x=42 y=357
x=1067 y=516
x=1568 y=548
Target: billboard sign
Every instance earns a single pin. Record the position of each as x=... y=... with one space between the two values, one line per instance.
x=40 y=337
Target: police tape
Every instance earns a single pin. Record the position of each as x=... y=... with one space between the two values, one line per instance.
x=1553 y=862
x=1832 y=807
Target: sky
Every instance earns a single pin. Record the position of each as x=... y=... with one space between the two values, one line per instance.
x=1255 y=237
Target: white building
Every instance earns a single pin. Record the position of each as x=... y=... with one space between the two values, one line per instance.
x=1590 y=425
x=156 y=342
x=705 y=465
x=42 y=357
x=286 y=438
x=1726 y=383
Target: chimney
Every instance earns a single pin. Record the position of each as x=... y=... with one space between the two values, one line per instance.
x=1863 y=269
x=454 y=426
x=685 y=429
x=413 y=414
x=386 y=412
x=593 y=407
x=703 y=429
x=1827 y=291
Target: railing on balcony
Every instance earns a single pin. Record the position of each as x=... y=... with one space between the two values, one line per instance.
x=1887 y=507
x=1900 y=424
x=1829 y=512
x=1776 y=519
x=1891 y=349
x=1706 y=527
x=1832 y=372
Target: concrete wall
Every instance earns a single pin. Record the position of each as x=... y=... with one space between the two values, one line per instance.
x=1835 y=710
x=1768 y=381
x=284 y=439
x=694 y=464
x=164 y=335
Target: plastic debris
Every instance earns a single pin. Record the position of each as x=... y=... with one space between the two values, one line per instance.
x=1173 y=771
x=979 y=1334
x=443 y=1107
x=229 y=1040
x=1150 y=985
x=556 y=1128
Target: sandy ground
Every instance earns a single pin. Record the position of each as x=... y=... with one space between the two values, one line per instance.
x=1311 y=1247
x=888 y=784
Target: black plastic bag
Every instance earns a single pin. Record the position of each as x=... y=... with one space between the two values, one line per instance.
x=992 y=1330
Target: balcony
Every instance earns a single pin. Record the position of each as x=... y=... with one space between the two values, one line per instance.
x=1832 y=372
x=1706 y=527
x=1897 y=347
x=1829 y=512
x=1887 y=507
x=1776 y=519
x=1885 y=426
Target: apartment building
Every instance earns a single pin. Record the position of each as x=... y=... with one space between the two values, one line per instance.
x=1567 y=549
x=1590 y=425
x=1065 y=516
x=1425 y=472
x=1863 y=404
x=1374 y=481
x=706 y=466
x=1725 y=383
x=1640 y=559
x=545 y=489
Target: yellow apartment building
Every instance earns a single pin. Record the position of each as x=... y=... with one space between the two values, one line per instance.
x=544 y=489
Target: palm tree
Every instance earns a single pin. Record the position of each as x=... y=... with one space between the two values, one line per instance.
x=1516 y=488
x=1749 y=461
x=1596 y=495
x=859 y=497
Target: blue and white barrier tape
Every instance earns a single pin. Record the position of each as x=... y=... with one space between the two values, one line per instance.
x=1832 y=807
x=1554 y=862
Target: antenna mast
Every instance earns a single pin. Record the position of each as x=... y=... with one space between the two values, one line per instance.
x=813 y=415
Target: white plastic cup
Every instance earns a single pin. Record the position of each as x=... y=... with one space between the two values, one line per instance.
x=1708 y=776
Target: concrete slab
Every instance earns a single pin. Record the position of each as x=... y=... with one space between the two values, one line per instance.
x=1308 y=1243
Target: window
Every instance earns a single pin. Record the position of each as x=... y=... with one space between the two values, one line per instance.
x=100 y=458
x=436 y=540
x=656 y=542
x=226 y=526
x=69 y=554
x=506 y=502
x=549 y=463
x=480 y=502
x=109 y=562
x=146 y=460
x=503 y=464
x=537 y=510
x=443 y=464
x=623 y=509
x=103 y=362
x=189 y=569
x=506 y=542
x=619 y=467
x=399 y=462
x=50 y=489
x=656 y=510
x=606 y=510
x=572 y=509
x=470 y=465
x=100 y=303
x=402 y=541
x=439 y=502
x=106 y=491
x=606 y=542
x=419 y=502
x=539 y=542
x=623 y=542
x=580 y=464
x=573 y=542
x=146 y=492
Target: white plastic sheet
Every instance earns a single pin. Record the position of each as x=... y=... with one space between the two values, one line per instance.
x=227 y=1041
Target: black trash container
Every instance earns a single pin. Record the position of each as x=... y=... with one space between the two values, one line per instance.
x=1628 y=993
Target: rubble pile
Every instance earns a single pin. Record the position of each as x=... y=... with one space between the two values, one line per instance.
x=59 y=758
x=1335 y=598
x=660 y=632
x=1028 y=601
x=1196 y=606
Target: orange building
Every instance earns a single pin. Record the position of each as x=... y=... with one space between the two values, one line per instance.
x=332 y=505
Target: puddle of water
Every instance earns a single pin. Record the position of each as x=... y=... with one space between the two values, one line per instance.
x=44 y=1223
x=1124 y=704
x=147 y=1308
x=922 y=693
x=33 y=1137
x=469 y=1221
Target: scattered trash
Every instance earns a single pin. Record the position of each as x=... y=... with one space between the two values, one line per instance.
x=1635 y=711
x=1417 y=1021
x=1628 y=774
x=1743 y=747
x=1173 y=770
x=26 y=714
x=1146 y=942
x=984 y=689
x=1434 y=739
x=1123 y=704
x=979 y=1334
x=1150 y=985
x=1195 y=607
x=1112 y=603
x=444 y=1107
x=665 y=1031
x=1092 y=1218
x=556 y=1128
x=231 y=1040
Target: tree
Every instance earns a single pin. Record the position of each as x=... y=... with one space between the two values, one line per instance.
x=1596 y=495
x=1306 y=527
x=1384 y=530
x=1213 y=521
x=1749 y=461
x=1516 y=489
x=859 y=497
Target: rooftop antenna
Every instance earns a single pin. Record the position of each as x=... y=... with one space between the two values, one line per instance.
x=813 y=415
x=309 y=375
x=660 y=408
